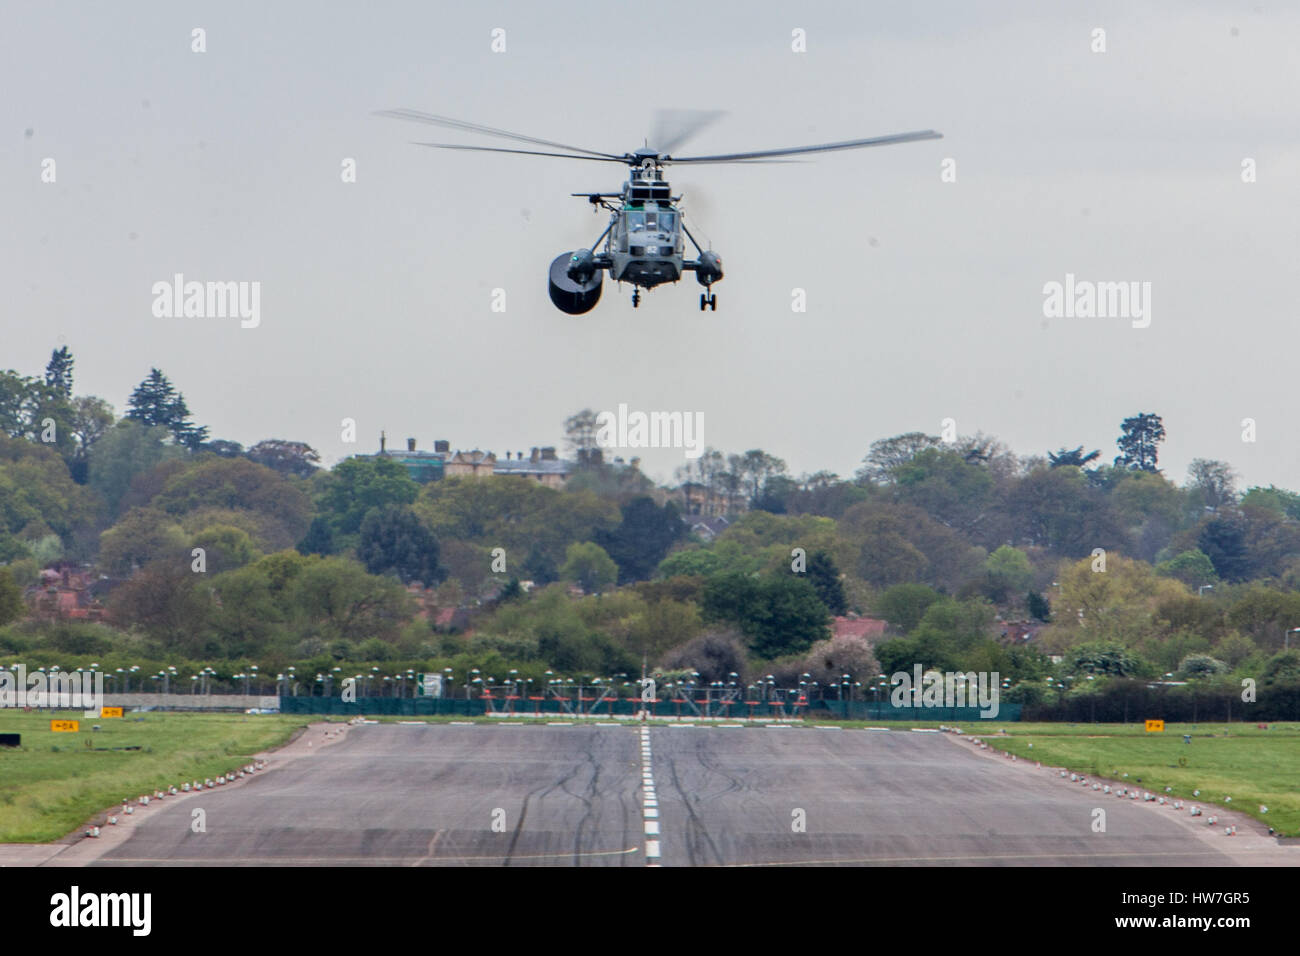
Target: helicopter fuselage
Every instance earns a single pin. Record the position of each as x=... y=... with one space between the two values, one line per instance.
x=644 y=245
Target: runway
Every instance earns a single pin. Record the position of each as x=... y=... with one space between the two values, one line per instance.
x=493 y=795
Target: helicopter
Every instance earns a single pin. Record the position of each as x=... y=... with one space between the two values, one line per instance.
x=645 y=238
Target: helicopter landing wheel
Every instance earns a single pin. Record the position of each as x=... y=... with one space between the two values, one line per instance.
x=636 y=298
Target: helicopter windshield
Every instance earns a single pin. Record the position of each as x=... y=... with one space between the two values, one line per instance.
x=652 y=222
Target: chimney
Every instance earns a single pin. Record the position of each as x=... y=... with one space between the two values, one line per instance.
x=383 y=441
x=442 y=445
x=532 y=455
x=548 y=454
x=410 y=444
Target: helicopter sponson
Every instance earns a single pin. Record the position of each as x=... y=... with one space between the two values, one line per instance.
x=582 y=266
x=708 y=268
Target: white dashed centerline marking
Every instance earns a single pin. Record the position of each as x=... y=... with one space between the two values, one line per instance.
x=650 y=800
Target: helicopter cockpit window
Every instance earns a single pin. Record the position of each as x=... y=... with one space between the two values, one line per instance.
x=655 y=222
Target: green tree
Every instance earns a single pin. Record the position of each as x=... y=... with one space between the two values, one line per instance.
x=1072 y=456
x=225 y=547
x=886 y=456
x=825 y=578
x=946 y=486
x=142 y=536
x=155 y=402
x=590 y=566
x=126 y=450
x=1201 y=665
x=1007 y=570
x=287 y=457
x=642 y=539
x=393 y=539
x=517 y=514
x=903 y=605
x=58 y=372
x=699 y=562
x=1223 y=541
x=355 y=486
x=1193 y=568
x=779 y=613
x=167 y=600
x=37 y=495
x=335 y=598
x=1278 y=499
x=1059 y=509
x=282 y=508
x=1139 y=442
x=34 y=411
x=1104 y=658
x=539 y=567
x=90 y=418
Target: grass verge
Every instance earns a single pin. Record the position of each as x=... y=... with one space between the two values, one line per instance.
x=55 y=782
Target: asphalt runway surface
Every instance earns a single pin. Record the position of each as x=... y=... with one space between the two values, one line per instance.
x=491 y=795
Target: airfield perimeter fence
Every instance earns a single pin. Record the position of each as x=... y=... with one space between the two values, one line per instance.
x=630 y=707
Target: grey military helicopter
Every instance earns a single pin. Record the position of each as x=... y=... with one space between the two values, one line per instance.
x=644 y=242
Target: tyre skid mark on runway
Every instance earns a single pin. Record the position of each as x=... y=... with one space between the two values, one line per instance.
x=523 y=810
x=430 y=849
x=590 y=814
x=696 y=832
x=1064 y=859
x=362 y=860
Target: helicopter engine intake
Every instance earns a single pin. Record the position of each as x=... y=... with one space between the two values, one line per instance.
x=708 y=269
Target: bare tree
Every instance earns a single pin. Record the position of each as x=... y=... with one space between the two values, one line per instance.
x=887 y=455
x=1214 y=481
x=580 y=433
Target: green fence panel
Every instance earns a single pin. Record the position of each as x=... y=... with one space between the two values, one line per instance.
x=460 y=707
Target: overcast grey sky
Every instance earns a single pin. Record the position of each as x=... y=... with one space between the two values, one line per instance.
x=924 y=298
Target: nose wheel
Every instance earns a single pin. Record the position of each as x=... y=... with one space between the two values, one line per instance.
x=709 y=299
x=636 y=298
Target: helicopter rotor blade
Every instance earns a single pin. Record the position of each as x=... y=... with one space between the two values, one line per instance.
x=823 y=148
x=522 y=152
x=672 y=128
x=446 y=122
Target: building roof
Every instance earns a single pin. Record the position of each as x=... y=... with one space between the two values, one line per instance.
x=865 y=627
x=709 y=527
x=474 y=457
x=525 y=466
